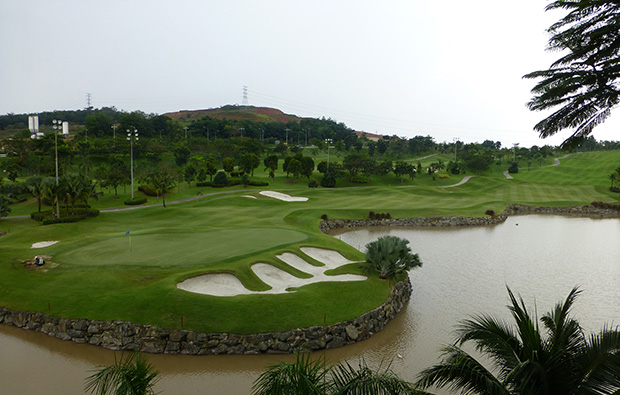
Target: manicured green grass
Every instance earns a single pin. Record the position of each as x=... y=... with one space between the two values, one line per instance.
x=102 y=276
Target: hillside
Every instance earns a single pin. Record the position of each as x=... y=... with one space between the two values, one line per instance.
x=234 y=112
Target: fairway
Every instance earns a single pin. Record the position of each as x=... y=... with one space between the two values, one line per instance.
x=104 y=273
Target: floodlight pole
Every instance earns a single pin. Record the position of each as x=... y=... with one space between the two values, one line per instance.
x=456 y=141
x=329 y=143
x=57 y=125
x=131 y=136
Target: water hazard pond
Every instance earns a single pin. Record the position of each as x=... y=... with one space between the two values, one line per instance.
x=465 y=272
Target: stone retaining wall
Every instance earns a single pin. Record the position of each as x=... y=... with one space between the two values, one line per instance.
x=513 y=209
x=120 y=335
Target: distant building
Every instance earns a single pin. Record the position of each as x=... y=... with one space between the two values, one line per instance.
x=33 y=124
x=371 y=136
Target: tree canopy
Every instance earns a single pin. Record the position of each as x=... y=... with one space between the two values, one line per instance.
x=583 y=82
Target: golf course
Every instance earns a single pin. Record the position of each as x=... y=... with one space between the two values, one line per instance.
x=126 y=263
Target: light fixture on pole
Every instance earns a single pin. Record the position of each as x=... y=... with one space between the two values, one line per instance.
x=131 y=136
x=57 y=126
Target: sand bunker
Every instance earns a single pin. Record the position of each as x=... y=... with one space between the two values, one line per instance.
x=279 y=280
x=249 y=196
x=283 y=196
x=42 y=244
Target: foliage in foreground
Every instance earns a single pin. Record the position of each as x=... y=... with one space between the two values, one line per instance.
x=129 y=375
x=556 y=359
x=315 y=377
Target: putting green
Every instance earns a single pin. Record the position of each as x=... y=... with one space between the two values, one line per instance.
x=199 y=248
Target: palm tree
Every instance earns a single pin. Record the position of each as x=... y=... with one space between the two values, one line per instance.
x=307 y=377
x=131 y=375
x=560 y=359
x=390 y=256
x=36 y=189
x=302 y=377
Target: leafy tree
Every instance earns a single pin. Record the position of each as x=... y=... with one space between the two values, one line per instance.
x=271 y=164
x=307 y=166
x=131 y=375
x=583 y=82
x=190 y=174
x=5 y=210
x=558 y=358
x=309 y=377
x=401 y=168
x=294 y=167
x=181 y=154
x=249 y=162
x=162 y=180
x=228 y=164
x=384 y=168
x=114 y=175
x=390 y=256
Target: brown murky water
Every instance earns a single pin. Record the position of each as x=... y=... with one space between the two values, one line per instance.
x=465 y=272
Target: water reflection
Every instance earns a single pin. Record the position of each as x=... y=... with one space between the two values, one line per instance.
x=465 y=272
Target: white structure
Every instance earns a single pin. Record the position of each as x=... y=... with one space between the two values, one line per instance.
x=65 y=128
x=33 y=123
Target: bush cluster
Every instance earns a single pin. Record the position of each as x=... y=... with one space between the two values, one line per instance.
x=607 y=206
x=490 y=212
x=313 y=183
x=615 y=189
x=373 y=215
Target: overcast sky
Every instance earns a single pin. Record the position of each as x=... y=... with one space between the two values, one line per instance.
x=413 y=67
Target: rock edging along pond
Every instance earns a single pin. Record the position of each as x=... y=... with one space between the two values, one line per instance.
x=513 y=209
x=121 y=335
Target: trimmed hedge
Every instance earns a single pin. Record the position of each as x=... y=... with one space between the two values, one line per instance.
x=135 y=201
x=47 y=217
x=148 y=190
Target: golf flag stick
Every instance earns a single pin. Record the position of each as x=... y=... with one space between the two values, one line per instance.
x=127 y=234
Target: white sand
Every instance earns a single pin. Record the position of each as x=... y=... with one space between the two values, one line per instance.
x=42 y=244
x=277 y=279
x=249 y=196
x=283 y=196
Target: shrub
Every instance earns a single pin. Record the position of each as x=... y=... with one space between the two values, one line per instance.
x=606 y=206
x=220 y=179
x=313 y=183
x=444 y=176
x=234 y=174
x=328 y=181
x=47 y=217
x=514 y=168
x=135 y=201
x=204 y=184
x=490 y=212
x=324 y=217
x=359 y=179
x=147 y=190
x=373 y=215
x=615 y=189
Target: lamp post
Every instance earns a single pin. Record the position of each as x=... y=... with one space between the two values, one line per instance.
x=329 y=143
x=131 y=136
x=456 y=142
x=57 y=126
